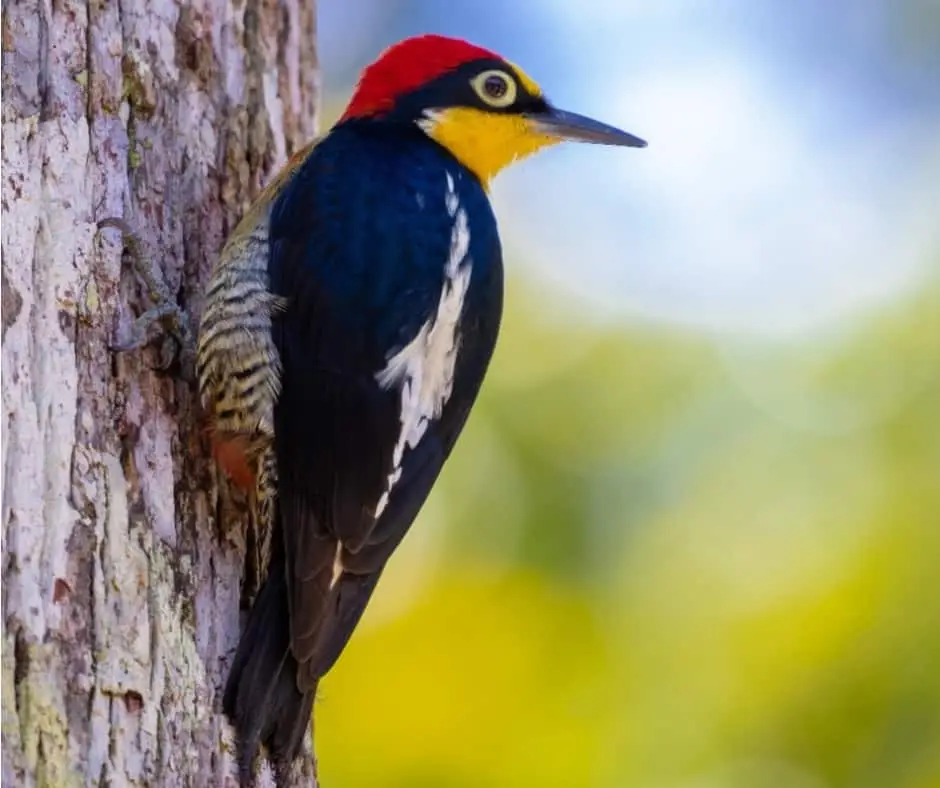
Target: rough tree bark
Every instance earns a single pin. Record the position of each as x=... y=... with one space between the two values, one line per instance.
x=121 y=557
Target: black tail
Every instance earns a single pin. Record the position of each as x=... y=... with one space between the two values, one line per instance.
x=348 y=603
x=261 y=696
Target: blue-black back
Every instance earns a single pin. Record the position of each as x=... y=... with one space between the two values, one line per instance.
x=359 y=242
x=365 y=216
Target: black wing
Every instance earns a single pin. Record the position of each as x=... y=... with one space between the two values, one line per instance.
x=363 y=267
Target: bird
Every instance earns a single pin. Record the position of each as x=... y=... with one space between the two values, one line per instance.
x=347 y=328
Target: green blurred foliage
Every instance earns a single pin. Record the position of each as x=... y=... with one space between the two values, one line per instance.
x=660 y=561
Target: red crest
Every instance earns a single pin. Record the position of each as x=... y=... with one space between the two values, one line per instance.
x=408 y=65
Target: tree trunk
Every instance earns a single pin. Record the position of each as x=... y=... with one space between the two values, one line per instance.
x=122 y=559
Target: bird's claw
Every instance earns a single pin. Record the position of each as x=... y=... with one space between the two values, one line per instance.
x=176 y=343
x=174 y=340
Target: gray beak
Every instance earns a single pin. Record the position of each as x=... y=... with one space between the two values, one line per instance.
x=578 y=128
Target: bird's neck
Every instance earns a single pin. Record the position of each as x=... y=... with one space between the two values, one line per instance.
x=485 y=143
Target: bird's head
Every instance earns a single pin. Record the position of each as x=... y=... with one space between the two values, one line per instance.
x=484 y=109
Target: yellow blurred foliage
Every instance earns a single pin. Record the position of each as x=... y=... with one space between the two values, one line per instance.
x=665 y=562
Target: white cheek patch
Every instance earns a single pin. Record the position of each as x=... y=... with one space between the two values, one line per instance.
x=424 y=368
x=428 y=121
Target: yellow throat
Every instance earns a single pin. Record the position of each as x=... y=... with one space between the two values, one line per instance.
x=485 y=142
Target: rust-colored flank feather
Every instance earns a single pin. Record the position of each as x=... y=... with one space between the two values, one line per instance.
x=232 y=456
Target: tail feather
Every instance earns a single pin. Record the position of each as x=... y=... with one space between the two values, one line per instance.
x=261 y=697
x=349 y=600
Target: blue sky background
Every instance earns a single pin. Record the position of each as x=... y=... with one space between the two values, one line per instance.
x=791 y=178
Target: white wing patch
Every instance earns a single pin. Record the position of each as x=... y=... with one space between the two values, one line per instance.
x=424 y=368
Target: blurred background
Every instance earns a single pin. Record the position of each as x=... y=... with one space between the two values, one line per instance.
x=691 y=535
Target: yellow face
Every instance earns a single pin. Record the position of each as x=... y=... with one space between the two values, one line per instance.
x=487 y=140
x=486 y=143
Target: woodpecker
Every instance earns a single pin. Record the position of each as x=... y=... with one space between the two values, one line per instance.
x=347 y=328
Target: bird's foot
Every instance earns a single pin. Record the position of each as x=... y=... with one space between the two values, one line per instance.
x=176 y=338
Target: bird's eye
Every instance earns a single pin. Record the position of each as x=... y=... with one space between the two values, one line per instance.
x=496 y=88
